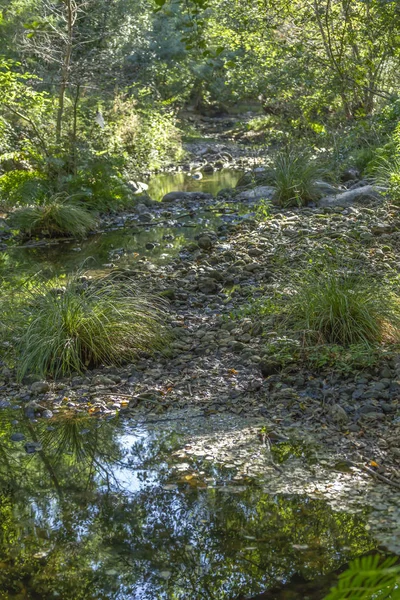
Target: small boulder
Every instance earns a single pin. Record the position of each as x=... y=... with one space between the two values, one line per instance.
x=269 y=367
x=362 y=195
x=205 y=242
x=207 y=285
x=339 y=415
x=261 y=192
x=350 y=174
x=40 y=387
x=32 y=447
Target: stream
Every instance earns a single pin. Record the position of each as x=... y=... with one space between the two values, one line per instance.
x=96 y=509
x=180 y=508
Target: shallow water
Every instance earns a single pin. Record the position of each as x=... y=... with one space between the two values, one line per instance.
x=103 y=509
x=126 y=243
x=162 y=184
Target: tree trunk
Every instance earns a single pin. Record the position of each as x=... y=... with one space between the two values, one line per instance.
x=71 y=16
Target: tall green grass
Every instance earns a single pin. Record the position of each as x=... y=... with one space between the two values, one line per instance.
x=295 y=178
x=86 y=324
x=344 y=308
x=55 y=218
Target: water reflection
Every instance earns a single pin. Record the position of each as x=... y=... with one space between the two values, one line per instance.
x=98 y=512
x=160 y=185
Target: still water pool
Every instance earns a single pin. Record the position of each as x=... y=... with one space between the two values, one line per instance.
x=127 y=242
x=101 y=510
x=162 y=184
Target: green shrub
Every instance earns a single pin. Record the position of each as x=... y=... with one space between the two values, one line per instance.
x=345 y=309
x=22 y=187
x=295 y=180
x=54 y=218
x=387 y=174
x=87 y=323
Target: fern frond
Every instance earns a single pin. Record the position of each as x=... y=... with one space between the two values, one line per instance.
x=369 y=578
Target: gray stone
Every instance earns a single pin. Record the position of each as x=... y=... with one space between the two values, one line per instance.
x=32 y=447
x=17 y=437
x=326 y=188
x=146 y=217
x=207 y=285
x=205 y=242
x=102 y=380
x=40 y=387
x=339 y=415
x=350 y=174
x=262 y=192
x=269 y=367
x=172 y=196
x=362 y=194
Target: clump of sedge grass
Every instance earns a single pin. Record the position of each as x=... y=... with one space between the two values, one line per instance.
x=344 y=309
x=55 y=218
x=86 y=324
x=295 y=178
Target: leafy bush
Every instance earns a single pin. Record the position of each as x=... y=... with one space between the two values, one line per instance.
x=87 y=323
x=22 y=187
x=345 y=309
x=99 y=185
x=54 y=218
x=387 y=173
x=295 y=180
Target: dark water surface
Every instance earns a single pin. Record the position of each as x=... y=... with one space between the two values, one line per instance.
x=100 y=511
x=160 y=185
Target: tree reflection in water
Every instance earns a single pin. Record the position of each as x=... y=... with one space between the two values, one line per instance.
x=93 y=515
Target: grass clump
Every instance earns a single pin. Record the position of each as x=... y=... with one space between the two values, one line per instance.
x=87 y=323
x=55 y=218
x=295 y=178
x=345 y=309
x=387 y=174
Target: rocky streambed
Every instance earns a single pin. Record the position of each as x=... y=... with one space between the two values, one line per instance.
x=291 y=429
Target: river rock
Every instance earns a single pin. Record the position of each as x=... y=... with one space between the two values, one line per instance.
x=137 y=187
x=261 y=192
x=40 y=387
x=269 y=367
x=363 y=194
x=173 y=196
x=339 y=415
x=207 y=285
x=350 y=174
x=205 y=242
x=32 y=447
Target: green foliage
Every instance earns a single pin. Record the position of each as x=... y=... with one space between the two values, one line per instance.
x=22 y=187
x=87 y=323
x=56 y=217
x=369 y=578
x=387 y=173
x=343 y=308
x=263 y=210
x=295 y=179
